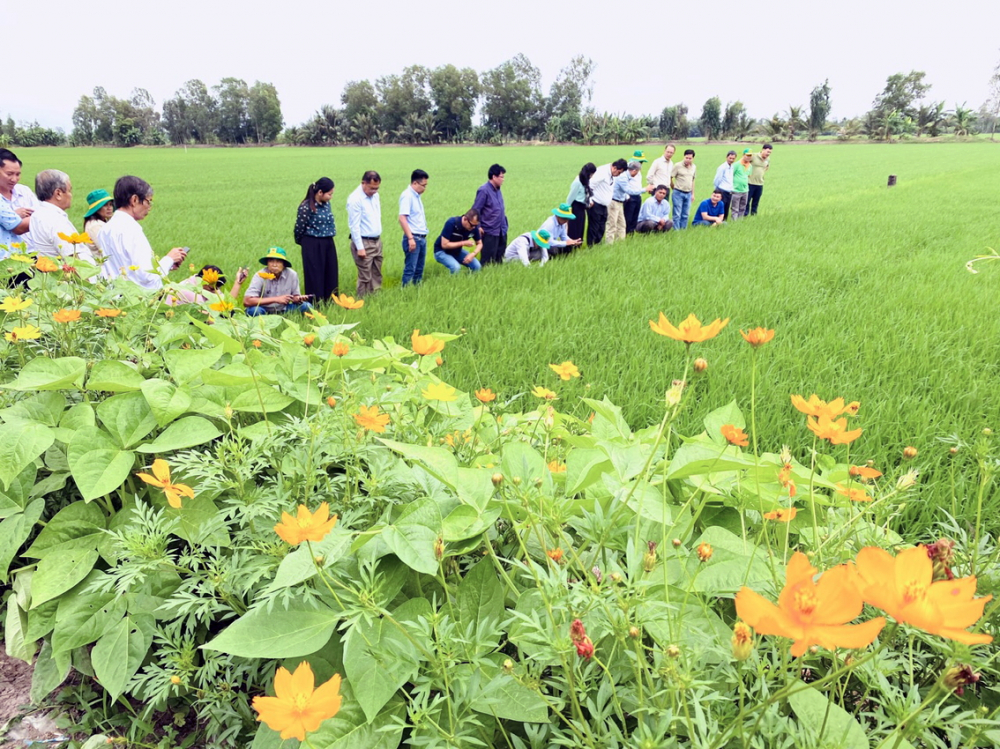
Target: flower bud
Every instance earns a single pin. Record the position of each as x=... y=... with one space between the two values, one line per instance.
x=676 y=543
x=615 y=577
x=555 y=554
x=598 y=575
x=633 y=632
x=228 y=411
x=907 y=480
x=175 y=679
x=309 y=339
x=439 y=361
x=331 y=401
x=953 y=451
x=516 y=480
x=508 y=665
x=700 y=365
x=909 y=453
x=673 y=651
x=673 y=396
x=538 y=483
x=987 y=431
x=742 y=641
x=705 y=551
x=649 y=558
x=439 y=547
x=785 y=455
x=319 y=559
x=497 y=479
x=959 y=677
x=256 y=344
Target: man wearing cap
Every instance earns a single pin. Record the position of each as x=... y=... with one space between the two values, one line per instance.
x=682 y=182
x=460 y=241
x=532 y=245
x=49 y=221
x=760 y=163
x=276 y=289
x=364 y=218
x=711 y=212
x=622 y=191
x=741 y=187
x=100 y=209
x=602 y=185
x=556 y=225
x=634 y=203
x=661 y=169
x=492 y=214
x=723 y=181
x=655 y=212
x=414 y=224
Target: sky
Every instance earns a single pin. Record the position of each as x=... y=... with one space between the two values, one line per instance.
x=650 y=55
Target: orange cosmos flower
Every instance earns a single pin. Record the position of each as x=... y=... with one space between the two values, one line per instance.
x=864 y=472
x=66 y=315
x=257 y=343
x=347 y=302
x=555 y=554
x=210 y=276
x=809 y=612
x=161 y=479
x=108 y=312
x=265 y=275
x=309 y=340
x=904 y=588
x=735 y=436
x=540 y=392
x=855 y=495
x=306 y=526
x=297 y=707
x=785 y=479
x=818 y=407
x=371 y=419
x=425 y=345
x=758 y=336
x=340 y=349
x=556 y=467
x=46 y=265
x=704 y=551
x=834 y=431
x=75 y=238
x=782 y=515
x=566 y=370
x=485 y=395
x=689 y=331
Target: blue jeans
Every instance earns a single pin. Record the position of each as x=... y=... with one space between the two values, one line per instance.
x=453 y=265
x=682 y=207
x=300 y=307
x=413 y=262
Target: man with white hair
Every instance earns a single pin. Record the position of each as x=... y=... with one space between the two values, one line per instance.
x=55 y=193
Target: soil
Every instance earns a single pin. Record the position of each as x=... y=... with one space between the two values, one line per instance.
x=18 y=727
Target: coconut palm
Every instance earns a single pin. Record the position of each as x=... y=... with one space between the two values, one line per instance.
x=772 y=129
x=962 y=120
x=794 y=122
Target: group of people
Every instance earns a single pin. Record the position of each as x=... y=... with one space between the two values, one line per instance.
x=605 y=203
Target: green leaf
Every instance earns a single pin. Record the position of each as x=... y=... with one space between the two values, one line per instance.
x=299 y=566
x=279 y=633
x=119 y=653
x=79 y=416
x=733 y=564
x=251 y=398
x=728 y=414
x=475 y=487
x=608 y=424
x=97 y=463
x=58 y=573
x=267 y=738
x=507 y=699
x=440 y=463
x=114 y=377
x=127 y=417
x=187 y=432
x=41 y=621
x=481 y=597
x=412 y=536
x=47 y=675
x=840 y=730
x=14 y=640
x=584 y=467
x=186 y=365
x=45 y=408
x=42 y=373
x=199 y=522
x=15 y=497
x=14 y=531
x=465 y=522
x=83 y=617
x=166 y=400
x=350 y=729
x=20 y=444
x=78 y=525
x=697 y=458
x=520 y=459
x=215 y=335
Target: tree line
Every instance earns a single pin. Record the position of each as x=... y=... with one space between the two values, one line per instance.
x=426 y=106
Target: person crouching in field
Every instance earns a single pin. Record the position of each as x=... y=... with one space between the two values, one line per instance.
x=655 y=212
x=460 y=241
x=276 y=289
x=557 y=227
x=532 y=245
x=712 y=211
x=314 y=233
x=204 y=286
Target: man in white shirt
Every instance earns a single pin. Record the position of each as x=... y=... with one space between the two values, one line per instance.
x=555 y=226
x=723 y=181
x=17 y=198
x=602 y=185
x=414 y=224
x=364 y=218
x=55 y=191
x=126 y=250
x=661 y=169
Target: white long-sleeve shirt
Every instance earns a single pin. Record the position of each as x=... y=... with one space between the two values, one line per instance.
x=47 y=222
x=124 y=245
x=364 y=216
x=602 y=184
x=522 y=249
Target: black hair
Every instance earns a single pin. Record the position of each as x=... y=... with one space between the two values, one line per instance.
x=323 y=184
x=371 y=176
x=717 y=191
x=418 y=174
x=495 y=171
x=7 y=155
x=767 y=146
x=621 y=165
x=586 y=173
x=217 y=269
x=689 y=151
x=472 y=213
x=661 y=187
x=731 y=153
x=127 y=186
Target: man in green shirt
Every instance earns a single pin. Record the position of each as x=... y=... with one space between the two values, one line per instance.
x=741 y=187
x=760 y=162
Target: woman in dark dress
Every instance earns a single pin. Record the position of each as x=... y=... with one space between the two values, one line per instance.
x=314 y=232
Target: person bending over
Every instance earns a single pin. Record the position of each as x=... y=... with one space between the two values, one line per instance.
x=532 y=245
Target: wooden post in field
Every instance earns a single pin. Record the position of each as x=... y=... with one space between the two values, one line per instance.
x=892 y=180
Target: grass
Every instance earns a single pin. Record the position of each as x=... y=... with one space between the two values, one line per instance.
x=866 y=286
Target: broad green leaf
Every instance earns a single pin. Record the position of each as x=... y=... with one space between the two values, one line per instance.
x=14 y=531
x=47 y=675
x=628 y=460
x=119 y=653
x=20 y=444
x=733 y=564
x=522 y=460
x=199 y=522
x=840 y=730
x=608 y=424
x=127 y=417
x=58 y=573
x=481 y=596
x=83 y=617
x=251 y=398
x=15 y=643
x=728 y=414
x=505 y=698
x=440 y=463
x=300 y=566
x=15 y=497
x=279 y=633
x=114 y=377
x=77 y=417
x=215 y=335
x=267 y=738
x=413 y=535
x=166 y=400
x=187 y=432
x=41 y=621
x=465 y=522
x=186 y=365
x=584 y=467
x=475 y=487
x=350 y=729
x=77 y=525
x=44 y=408
x=97 y=463
x=42 y=373
x=696 y=458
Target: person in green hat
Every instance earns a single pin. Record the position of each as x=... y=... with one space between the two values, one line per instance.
x=633 y=204
x=100 y=208
x=275 y=290
x=532 y=245
x=556 y=226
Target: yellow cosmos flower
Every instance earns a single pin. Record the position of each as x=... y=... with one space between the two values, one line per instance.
x=425 y=345
x=27 y=259
x=223 y=305
x=266 y=276
x=75 y=238
x=818 y=407
x=66 y=315
x=556 y=467
x=689 y=331
x=46 y=265
x=210 y=276
x=27 y=333
x=306 y=526
x=347 y=302
x=566 y=370
x=105 y=312
x=835 y=431
x=161 y=479
x=757 y=336
x=15 y=304
x=298 y=707
x=438 y=391
x=540 y=392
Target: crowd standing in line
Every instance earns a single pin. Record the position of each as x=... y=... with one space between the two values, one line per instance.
x=605 y=204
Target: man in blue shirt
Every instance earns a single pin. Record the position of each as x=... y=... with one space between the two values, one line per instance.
x=711 y=212
x=460 y=241
x=414 y=223
x=654 y=215
x=622 y=190
x=724 y=180
x=492 y=214
x=364 y=218
x=555 y=225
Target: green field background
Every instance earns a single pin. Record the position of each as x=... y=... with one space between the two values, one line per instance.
x=865 y=286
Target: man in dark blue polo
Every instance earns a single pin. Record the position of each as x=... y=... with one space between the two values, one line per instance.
x=711 y=212
x=492 y=215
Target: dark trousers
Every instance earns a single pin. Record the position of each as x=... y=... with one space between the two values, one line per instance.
x=576 y=227
x=727 y=198
x=319 y=263
x=494 y=246
x=632 y=206
x=754 y=199
x=597 y=221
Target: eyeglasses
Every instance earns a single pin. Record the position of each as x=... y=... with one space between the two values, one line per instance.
x=148 y=200
x=473 y=225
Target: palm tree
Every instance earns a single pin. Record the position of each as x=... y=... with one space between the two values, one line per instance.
x=930 y=118
x=794 y=121
x=849 y=129
x=772 y=129
x=364 y=129
x=962 y=120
